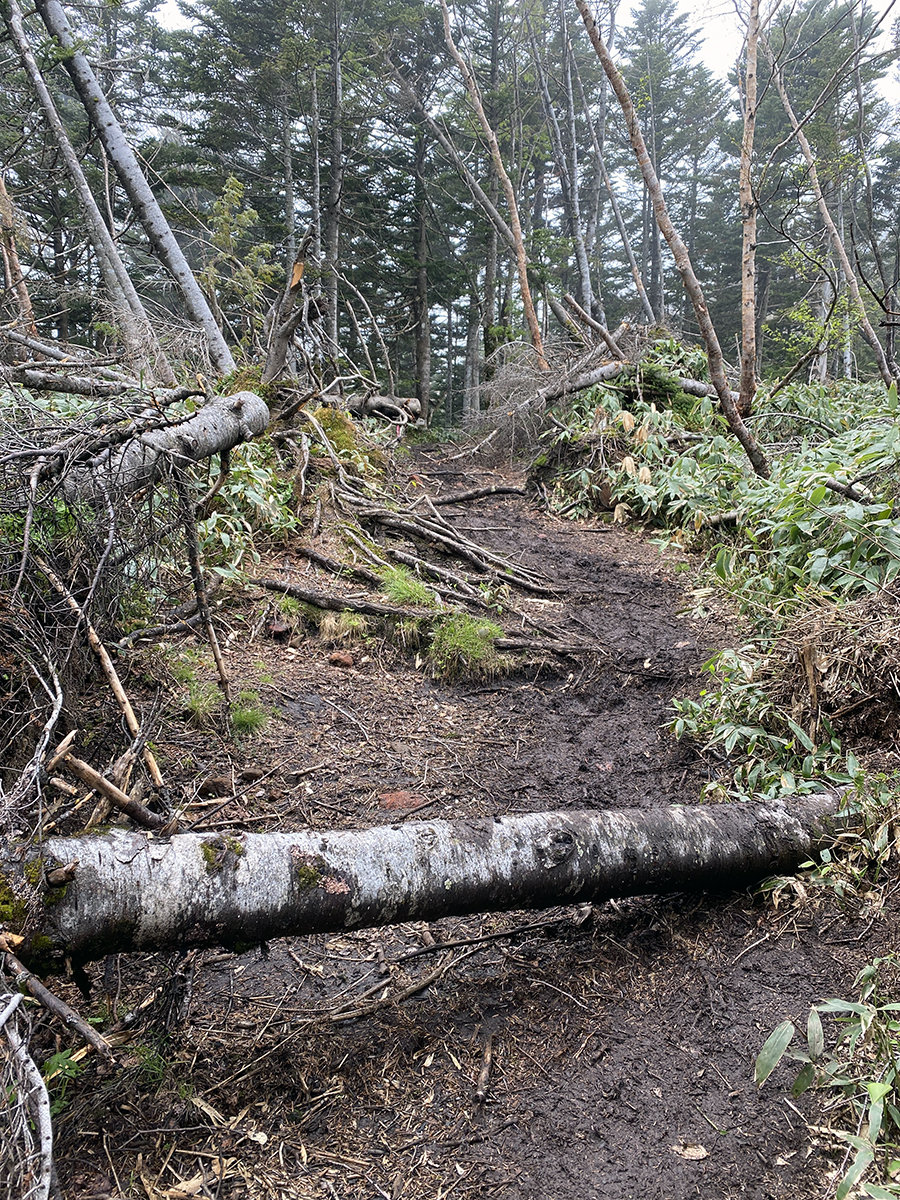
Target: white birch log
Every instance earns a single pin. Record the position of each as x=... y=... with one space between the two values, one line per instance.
x=223 y=423
x=134 y=892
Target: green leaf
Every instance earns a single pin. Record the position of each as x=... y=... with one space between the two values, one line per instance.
x=815 y=1037
x=804 y=1080
x=858 y=1168
x=844 y=1006
x=800 y=735
x=876 y=1113
x=879 y=1193
x=773 y=1051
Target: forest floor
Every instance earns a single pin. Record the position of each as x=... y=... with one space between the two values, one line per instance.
x=620 y=1039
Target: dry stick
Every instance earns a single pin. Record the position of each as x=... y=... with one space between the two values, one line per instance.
x=139 y=813
x=323 y=600
x=134 y=726
x=484 y=1075
x=52 y=1003
x=483 y=561
x=678 y=248
x=193 y=549
x=339 y=568
x=420 y=564
x=364 y=1010
x=588 y=320
x=837 y=242
x=39 y=1106
x=508 y=190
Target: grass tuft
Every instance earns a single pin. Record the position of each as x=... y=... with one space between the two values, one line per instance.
x=463 y=647
x=248 y=715
x=402 y=587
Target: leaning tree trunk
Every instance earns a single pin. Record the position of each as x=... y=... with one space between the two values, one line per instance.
x=130 y=892
x=679 y=250
x=515 y=224
x=748 y=219
x=837 y=241
x=159 y=233
x=130 y=314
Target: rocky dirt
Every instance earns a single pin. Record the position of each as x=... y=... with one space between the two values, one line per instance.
x=601 y=1053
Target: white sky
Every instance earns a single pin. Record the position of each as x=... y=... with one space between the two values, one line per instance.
x=722 y=32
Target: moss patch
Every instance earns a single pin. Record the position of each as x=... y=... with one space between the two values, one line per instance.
x=13 y=908
x=221 y=852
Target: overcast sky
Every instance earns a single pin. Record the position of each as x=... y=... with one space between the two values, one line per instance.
x=717 y=20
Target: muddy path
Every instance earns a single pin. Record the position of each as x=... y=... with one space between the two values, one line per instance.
x=613 y=1045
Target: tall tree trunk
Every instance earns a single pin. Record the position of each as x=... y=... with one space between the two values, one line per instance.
x=287 y=159
x=332 y=230
x=818 y=367
x=566 y=168
x=514 y=222
x=422 y=310
x=748 y=219
x=128 y=310
x=762 y=311
x=640 y=286
x=162 y=240
x=836 y=241
x=60 y=270
x=315 y=154
x=679 y=251
x=657 y=283
x=448 y=395
x=133 y=893
x=472 y=384
x=489 y=300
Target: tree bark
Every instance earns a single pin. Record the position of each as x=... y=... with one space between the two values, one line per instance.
x=331 y=235
x=421 y=306
x=748 y=217
x=162 y=240
x=133 y=893
x=219 y=426
x=679 y=251
x=531 y=320
x=12 y=268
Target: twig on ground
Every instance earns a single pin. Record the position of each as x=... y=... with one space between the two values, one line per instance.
x=52 y=1003
x=109 y=670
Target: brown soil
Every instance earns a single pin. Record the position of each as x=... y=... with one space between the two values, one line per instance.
x=621 y=1038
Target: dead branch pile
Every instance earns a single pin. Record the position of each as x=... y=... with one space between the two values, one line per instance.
x=842 y=665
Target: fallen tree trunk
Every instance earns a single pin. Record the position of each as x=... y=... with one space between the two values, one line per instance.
x=217 y=427
x=131 y=892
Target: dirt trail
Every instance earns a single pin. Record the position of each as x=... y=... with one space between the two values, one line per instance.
x=621 y=1038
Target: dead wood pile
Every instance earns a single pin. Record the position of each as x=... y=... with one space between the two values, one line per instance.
x=841 y=665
